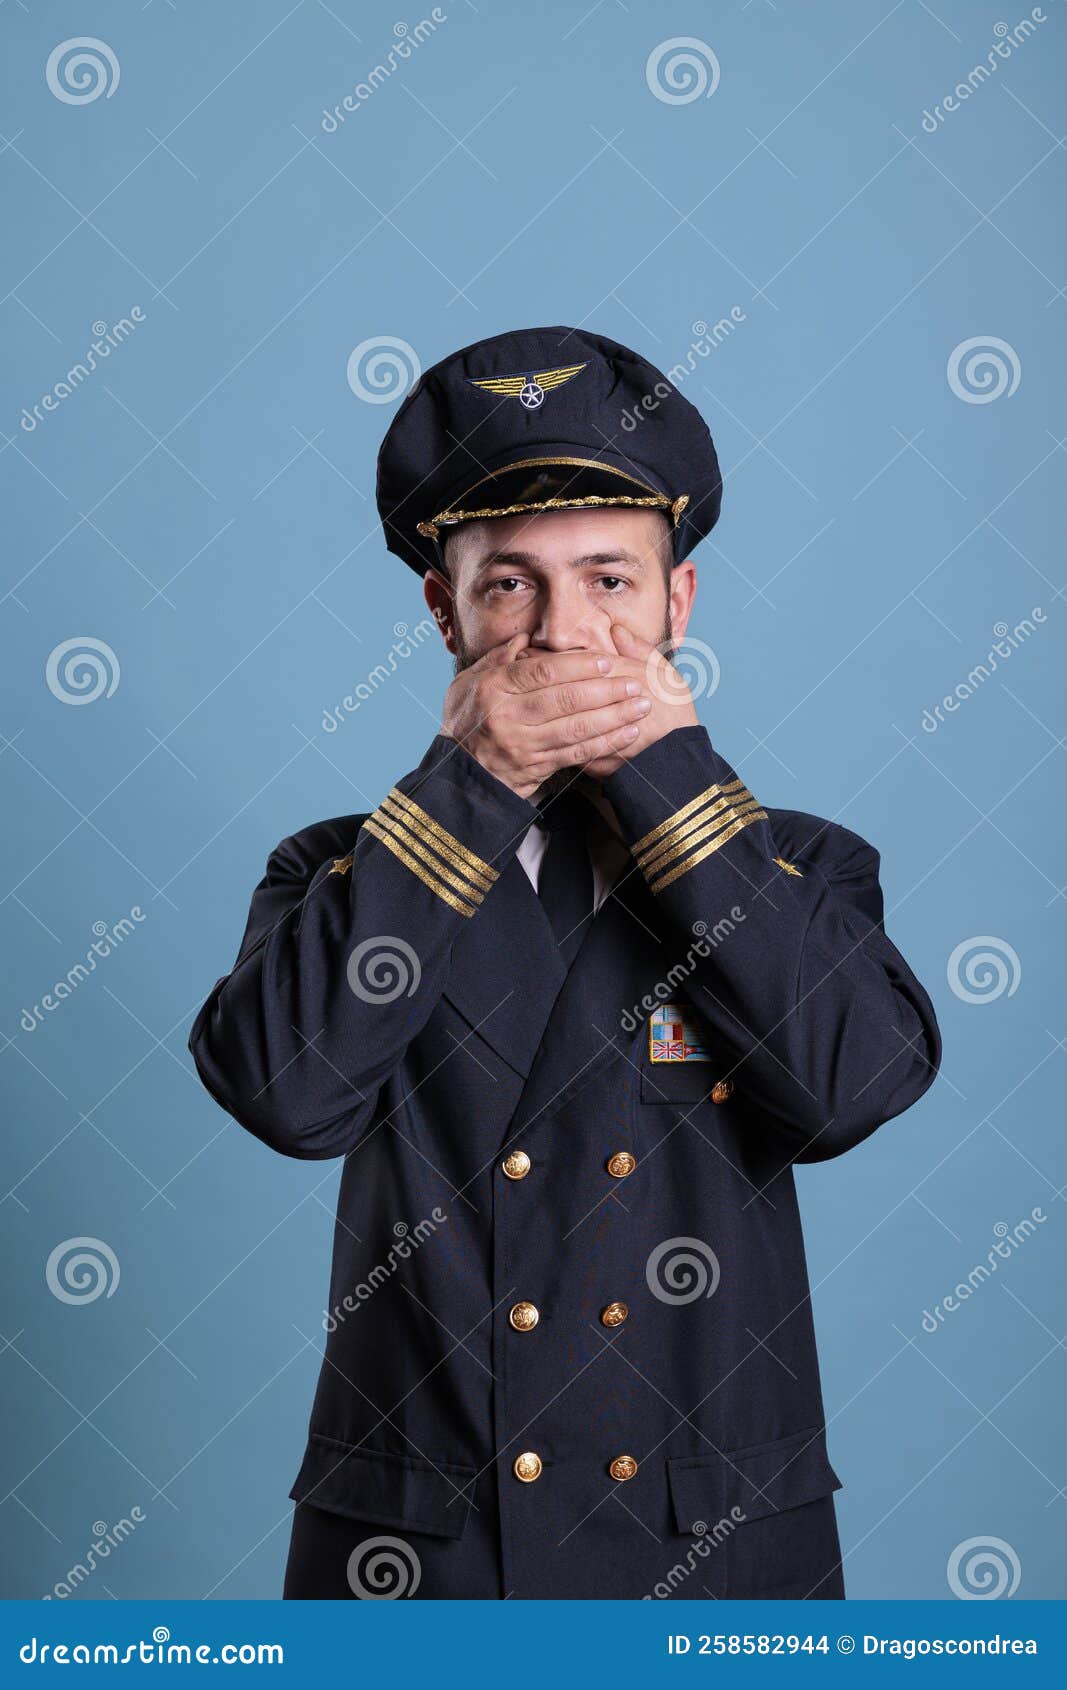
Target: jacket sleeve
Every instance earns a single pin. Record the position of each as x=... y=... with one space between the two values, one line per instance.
x=343 y=960
x=820 y=1020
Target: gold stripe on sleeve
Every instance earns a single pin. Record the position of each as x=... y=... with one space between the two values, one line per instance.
x=696 y=803
x=477 y=869
x=415 y=846
x=411 y=825
x=416 y=867
x=665 y=847
x=706 y=850
x=684 y=846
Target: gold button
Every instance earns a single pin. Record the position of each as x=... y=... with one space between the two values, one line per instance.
x=623 y=1467
x=721 y=1090
x=527 y=1467
x=517 y=1165
x=524 y=1317
x=621 y=1164
x=614 y=1314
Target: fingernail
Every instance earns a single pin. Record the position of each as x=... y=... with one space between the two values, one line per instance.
x=641 y=706
x=630 y=733
x=633 y=688
x=603 y=664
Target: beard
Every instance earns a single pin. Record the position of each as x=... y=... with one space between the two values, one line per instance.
x=561 y=779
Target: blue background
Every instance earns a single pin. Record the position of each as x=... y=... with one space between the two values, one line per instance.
x=203 y=504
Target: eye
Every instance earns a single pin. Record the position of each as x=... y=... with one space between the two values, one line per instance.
x=506 y=585
x=612 y=583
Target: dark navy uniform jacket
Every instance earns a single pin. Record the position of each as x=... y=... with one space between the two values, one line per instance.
x=570 y=1347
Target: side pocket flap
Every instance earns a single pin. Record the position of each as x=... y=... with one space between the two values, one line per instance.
x=748 y=1484
x=388 y=1490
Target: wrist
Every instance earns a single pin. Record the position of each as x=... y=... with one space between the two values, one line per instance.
x=516 y=780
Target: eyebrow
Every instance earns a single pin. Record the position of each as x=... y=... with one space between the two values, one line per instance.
x=587 y=560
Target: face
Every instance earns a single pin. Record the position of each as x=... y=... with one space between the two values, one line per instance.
x=561 y=578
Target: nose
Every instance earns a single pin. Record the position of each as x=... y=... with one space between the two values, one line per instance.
x=565 y=621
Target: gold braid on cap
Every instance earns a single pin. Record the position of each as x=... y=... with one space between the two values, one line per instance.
x=431 y=527
x=431 y=530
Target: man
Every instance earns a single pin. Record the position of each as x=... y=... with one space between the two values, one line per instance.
x=570 y=1003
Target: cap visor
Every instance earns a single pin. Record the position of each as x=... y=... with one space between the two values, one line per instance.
x=550 y=481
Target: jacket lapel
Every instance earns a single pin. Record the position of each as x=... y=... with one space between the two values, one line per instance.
x=506 y=972
x=597 y=1010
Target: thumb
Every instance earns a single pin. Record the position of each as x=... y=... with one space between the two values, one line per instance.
x=627 y=643
x=498 y=655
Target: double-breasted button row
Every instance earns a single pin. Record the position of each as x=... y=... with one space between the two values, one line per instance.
x=517 y=1164
x=524 y=1316
x=528 y=1466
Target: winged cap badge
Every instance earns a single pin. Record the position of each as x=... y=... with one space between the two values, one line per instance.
x=529 y=390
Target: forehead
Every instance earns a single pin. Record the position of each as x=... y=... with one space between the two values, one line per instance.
x=554 y=539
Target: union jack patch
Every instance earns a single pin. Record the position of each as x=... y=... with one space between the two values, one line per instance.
x=675 y=1035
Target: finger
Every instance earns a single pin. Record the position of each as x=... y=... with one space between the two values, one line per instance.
x=630 y=644
x=549 y=668
x=591 y=724
x=601 y=767
x=656 y=669
x=499 y=655
x=548 y=704
x=613 y=744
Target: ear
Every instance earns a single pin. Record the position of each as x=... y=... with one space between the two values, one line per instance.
x=683 y=590
x=441 y=600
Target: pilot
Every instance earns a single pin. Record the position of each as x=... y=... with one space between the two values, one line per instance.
x=569 y=1005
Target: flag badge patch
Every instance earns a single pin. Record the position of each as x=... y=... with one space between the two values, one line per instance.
x=675 y=1035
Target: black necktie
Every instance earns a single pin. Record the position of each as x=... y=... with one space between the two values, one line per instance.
x=565 y=880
